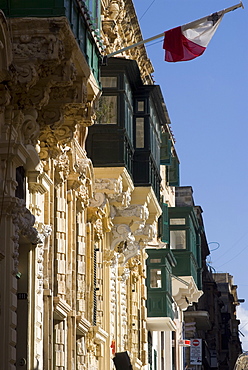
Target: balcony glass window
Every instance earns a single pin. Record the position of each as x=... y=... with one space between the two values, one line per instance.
x=128 y=117
x=155 y=278
x=109 y=81
x=155 y=260
x=177 y=221
x=140 y=105
x=128 y=106
x=107 y=110
x=178 y=239
x=128 y=90
x=140 y=138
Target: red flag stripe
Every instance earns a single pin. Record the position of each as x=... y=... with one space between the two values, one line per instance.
x=179 y=48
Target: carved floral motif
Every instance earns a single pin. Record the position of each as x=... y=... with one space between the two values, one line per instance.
x=30 y=128
x=24 y=222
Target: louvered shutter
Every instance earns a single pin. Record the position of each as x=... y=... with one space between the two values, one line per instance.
x=165 y=149
x=165 y=237
x=173 y=171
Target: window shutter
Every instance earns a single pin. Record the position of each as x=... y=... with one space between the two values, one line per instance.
x=165 y=237
x=165 y=149
x=174 y=172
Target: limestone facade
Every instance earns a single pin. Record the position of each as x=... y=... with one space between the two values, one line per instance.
x=72 y=257
x=47 y=97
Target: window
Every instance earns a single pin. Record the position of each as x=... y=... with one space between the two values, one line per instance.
x=128 y=107
x=128 y=116
x=107 y=110
x=21 y=183
x=109 y=81
x=177 y=221
x=178 y=239
x=155 y=260
x=128 y=90
x=140 y=139
x=140 y=105
x=155 y=278
x=150 y=349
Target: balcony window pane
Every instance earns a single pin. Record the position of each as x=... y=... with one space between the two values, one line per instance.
x=177 y=221
x=178 y=239
x=155 y=260
x=109 y=81
x=128 y=90
x=155 y=278
x=141 y=106
x=129 y=118
x=107 y=110
x=140 y=139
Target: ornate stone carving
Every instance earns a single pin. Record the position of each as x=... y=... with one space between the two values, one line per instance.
x=53 y=142
x=24 y=222
x=114 y=185
x=98 y=229
x=110 y=257
x=124 y=273
x=135 y=211
x=113 y=188
x=43 y=231
x=52 y=85
x=120 y=29
x=4 y=97
x=62 y=169
x=38 y=47
x=124 y=242
x=30 y=128
x=26 y=74
x=146 y=232
x=99 y=200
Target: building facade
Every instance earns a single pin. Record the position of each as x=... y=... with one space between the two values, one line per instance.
x=101 y=249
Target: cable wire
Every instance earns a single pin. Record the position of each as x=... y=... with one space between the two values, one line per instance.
x=147 y=9
x=233 y=257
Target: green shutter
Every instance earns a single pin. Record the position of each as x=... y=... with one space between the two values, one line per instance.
x=173 y=172
x=89 y=50
x=165 y=237
x=165 y=149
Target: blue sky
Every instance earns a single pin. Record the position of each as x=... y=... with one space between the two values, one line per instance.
x=207 y=101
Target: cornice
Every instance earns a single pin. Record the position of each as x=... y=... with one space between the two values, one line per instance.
x=61 y=308
x=185 y=291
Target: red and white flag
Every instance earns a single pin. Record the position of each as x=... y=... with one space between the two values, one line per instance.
x=190 y=40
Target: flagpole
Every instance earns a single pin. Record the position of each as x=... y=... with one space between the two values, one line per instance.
x=142 y=42
x=234 y=7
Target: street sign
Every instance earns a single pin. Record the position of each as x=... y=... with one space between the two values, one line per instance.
x=196 y=352
x=184 y=342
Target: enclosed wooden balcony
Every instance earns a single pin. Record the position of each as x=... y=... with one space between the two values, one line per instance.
x=159 y=289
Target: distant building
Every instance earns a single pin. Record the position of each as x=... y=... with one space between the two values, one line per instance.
x=230 y=344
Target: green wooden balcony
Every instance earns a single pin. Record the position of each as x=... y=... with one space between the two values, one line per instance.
x=159 y=267
x=186 y=265
x=83 y=16
x=180 y=229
